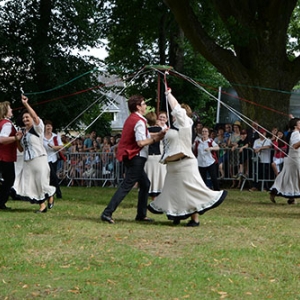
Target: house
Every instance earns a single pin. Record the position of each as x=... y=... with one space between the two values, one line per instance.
x=117 y=104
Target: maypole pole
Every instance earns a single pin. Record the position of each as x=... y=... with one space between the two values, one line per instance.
x=159 y=68
x=158 y=95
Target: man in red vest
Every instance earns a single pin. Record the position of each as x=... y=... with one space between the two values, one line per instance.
x=8 y=152
x=133 y=152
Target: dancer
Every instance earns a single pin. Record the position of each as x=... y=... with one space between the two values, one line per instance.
x=155 y=171
x=133 y=151
x=184 y=193
x=207 y=163
x=280 y=148
x=52 y=143
x=287 y=183
x=9 y=141
x=33 y=182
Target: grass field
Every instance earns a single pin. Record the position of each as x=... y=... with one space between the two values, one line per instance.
x=248 y=248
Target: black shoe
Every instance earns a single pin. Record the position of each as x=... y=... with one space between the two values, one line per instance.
x=146 y=219
x=107 y=219
x=4 y=207
x=41 y=211
x=192 y=223
x=50 y=205
x=291 y=201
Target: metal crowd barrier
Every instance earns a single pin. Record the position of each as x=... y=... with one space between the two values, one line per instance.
x=103 y=169
x=90 y=168
x=253 y=170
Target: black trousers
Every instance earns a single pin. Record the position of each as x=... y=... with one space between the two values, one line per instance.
x=212 y=170
x=54 y=179
x=134 y=172
x=8 y=174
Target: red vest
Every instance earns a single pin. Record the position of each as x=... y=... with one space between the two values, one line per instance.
x=128 y=147
x=8 y=152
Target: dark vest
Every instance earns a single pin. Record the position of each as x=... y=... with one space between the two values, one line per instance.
x=8 y=152
x=128 y=147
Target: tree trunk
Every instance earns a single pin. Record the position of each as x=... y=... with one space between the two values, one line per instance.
x=255 y=61
x=42 y=44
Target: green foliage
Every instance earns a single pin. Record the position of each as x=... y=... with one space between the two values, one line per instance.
x=156 y=42
x=40 y=37
x=249 y=44
x=99 y=122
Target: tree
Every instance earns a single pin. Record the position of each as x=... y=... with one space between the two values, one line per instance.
x=150 y=36
x=37 y=55
x=249 y=43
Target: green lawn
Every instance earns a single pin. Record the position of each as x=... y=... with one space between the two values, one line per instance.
x=248 y=248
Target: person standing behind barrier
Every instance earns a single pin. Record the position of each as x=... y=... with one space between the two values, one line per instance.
x=287 y=183
x=88 y=142
x=133 y=151
x=233 y=152
x=227 y=132
x=221 y=141
x=280 y=149
x=184 y=193
x=227 y=135
x=252 y=132
x=207 y=164
x=33 y=183
x=197 y=131
x=52 y=143
x=242 y=146
x=154 y=169
x=262 y=147
x=9 y=141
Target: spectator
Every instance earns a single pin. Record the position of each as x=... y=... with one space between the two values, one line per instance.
x=112 y=140
x=99 y=141
x=280 y=149
x=262 y=147
x=197 y=132
x=234 y=153
x=227 y=153
x=52 y=144
x=221 y=141
x=227 y=132
x=253 y=133
x=243 y=145
x=88 y=142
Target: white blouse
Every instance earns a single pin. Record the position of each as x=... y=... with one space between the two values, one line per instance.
x=32 y=142
x=51 y=153
x=178 y=141
x=205 y=158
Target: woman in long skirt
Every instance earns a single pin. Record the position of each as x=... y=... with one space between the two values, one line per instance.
x=287 y=183
x=32 y=184
x=184 y=193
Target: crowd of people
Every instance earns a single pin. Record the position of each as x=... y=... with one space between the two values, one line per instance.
x=180 y=165
x=257 y=155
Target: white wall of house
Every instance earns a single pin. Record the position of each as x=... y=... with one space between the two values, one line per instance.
x=118 y=104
